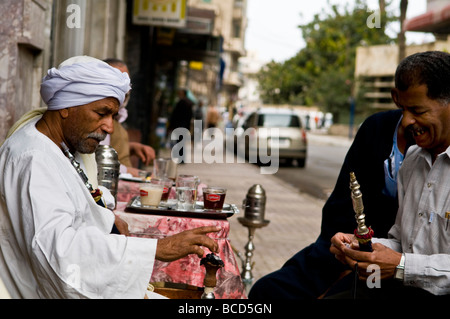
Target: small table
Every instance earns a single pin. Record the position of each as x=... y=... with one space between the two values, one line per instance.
x=186 y=270
x=126 y=190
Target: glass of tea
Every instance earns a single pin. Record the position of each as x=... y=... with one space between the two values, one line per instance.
x=214 y=197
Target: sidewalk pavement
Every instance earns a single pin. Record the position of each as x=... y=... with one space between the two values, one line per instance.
x=322 y=138
x=294 y=217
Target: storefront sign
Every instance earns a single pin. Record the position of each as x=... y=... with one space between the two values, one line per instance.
x=166 y=13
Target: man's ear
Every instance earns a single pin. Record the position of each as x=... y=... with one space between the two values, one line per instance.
x=64 y=113
x=394 y=95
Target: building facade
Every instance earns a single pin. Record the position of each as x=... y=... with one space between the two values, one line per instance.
x=375 y=65
x=230 y=24
x=38 y=34
x=25 y=30
x=201 y=54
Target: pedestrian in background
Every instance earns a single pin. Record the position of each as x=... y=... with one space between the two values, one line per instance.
x=181 y=117
x=212 y=116
x=119 y=139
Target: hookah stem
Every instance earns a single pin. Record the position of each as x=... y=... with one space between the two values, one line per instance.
x=96 y=193
x=362 y=232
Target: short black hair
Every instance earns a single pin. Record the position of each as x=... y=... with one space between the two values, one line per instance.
x=431 y=68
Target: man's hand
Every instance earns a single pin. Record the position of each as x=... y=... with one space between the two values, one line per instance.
x=121 y=225
x=185 y=243
x=145 y=153
x=133 y=171
x=346 y=251
x=339 y=243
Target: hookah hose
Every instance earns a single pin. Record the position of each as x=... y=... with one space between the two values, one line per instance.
x=96 y=193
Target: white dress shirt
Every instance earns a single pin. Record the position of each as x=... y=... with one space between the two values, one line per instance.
x=421 y=230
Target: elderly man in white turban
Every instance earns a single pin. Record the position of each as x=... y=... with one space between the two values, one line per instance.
x=55 y=241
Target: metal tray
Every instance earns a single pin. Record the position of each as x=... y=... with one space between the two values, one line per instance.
x=169 y=209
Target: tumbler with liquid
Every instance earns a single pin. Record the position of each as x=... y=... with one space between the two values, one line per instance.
x=186 y=190
x=213 y=198
x=167 y=186
x=151 y=195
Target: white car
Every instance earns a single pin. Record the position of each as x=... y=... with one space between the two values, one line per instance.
x=271 y=131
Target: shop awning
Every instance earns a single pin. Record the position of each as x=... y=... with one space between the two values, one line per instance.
x=435 y=21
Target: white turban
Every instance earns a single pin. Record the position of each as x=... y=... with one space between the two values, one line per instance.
x=81 y=80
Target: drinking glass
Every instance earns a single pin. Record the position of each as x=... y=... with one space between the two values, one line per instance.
x=186 y=190
x=160 y=167
x=151 y=195
x=214 y=197
x=166 y=183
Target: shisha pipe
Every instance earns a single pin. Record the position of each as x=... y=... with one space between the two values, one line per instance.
x=363 y=233
x=96 y=193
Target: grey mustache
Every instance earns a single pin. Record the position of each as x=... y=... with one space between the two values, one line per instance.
x=97 y=136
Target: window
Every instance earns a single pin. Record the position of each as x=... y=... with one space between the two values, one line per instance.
x=278 y=120
x=237 y=28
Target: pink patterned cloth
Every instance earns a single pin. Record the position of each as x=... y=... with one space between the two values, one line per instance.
x=188 y=270
x=127 y=190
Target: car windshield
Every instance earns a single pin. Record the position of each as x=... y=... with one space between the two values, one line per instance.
x=278 y=120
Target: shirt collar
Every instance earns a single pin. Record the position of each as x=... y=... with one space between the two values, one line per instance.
x=447 y=151
x=426 y=155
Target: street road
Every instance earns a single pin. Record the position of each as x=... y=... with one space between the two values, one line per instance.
x=318 y=178
x=324 y=160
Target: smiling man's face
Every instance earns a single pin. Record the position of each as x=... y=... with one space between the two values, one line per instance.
x=427 y=119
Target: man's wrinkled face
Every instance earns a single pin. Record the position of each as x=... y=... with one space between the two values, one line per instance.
x=427 y=119
x=87 y=125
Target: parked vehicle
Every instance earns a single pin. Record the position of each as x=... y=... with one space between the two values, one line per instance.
x=268 y=131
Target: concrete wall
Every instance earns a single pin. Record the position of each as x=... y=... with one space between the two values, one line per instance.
x=24 y=47
x=101 y=33
x=381 y=60
x=375 y=69
x=36 y=35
